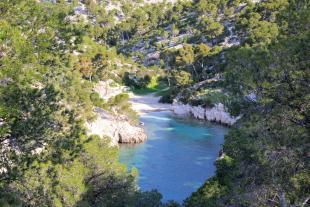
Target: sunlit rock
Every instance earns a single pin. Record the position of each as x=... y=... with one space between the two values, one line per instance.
x=115 y=127
x=217 y=113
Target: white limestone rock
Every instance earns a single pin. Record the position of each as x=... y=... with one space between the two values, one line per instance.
x=117 y=128
x=217 y=113
x=198 y=112
x=181 y=109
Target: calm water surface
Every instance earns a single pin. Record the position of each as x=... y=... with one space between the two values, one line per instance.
x=178 y=156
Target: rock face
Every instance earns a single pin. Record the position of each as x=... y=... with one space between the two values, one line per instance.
x=217 y=113
x=117 y=128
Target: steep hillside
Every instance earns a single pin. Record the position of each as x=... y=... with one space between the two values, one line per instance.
x=49 y=65
x=246 y=57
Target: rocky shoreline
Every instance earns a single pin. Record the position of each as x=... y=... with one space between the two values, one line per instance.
x=120 y=130
x=216 y=114
x=150 y=103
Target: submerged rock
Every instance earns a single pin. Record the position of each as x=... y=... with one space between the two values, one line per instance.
x=115 y=127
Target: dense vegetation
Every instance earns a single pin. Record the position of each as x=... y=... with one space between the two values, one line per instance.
x=47 y=159
x=266 y=154
x=52 y=54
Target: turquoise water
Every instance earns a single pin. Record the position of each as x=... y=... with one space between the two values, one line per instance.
x=178 y=156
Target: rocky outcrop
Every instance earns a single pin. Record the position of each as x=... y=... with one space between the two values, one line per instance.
x=217 y=113
x=116 y=127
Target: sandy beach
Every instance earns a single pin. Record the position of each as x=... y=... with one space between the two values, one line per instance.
x=148 y=103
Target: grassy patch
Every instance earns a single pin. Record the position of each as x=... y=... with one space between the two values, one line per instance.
x=211 y=97
x=152 y=87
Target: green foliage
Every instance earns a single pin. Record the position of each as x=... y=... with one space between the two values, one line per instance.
x=8 y=200
x=47 y=184
x=224 y=169
x=260 y=21
x=265 y=160
x=181 y=78
x=155 y=86
x=209 y=97
x=202 y=50
x=119 y=100
x=185 y=55
x=148 y=199
x=135 y=82
x=207 y=195
x=143 y=80
x=97 y=101
x=120 y=105
x=45 y=98
x=211 y=28
x=49 y=63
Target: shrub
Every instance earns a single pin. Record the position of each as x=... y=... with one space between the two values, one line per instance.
x=168 y=98
x=96 y=100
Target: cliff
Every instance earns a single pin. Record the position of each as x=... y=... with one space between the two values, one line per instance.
x=217 y=113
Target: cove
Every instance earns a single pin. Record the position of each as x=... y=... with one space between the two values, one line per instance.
x=178 y=156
